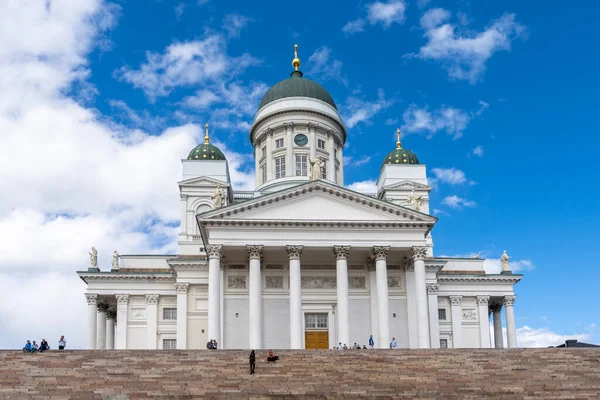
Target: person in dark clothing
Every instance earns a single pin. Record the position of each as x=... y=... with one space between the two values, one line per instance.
x=272 y=357
x=44 y=346
x=209 y=345
x=252 y=362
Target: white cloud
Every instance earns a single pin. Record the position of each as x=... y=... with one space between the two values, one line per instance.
x=391 y=121
x=544 y=337
x=423 y=3
x=356 y=110
x=350 y=161
x=193 y=63
x=179 y=8
x=451 y=176
x=234 y=23
x=478 y=151
x=457 y=202
x=324 y=67
x=74 y=178
x=369 y=187
x=386 y=13
x=378 y=13
x=353 y=27
x=453 y=120
x=464 y=53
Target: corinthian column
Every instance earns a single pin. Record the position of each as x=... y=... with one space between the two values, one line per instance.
x=497 y=313
x=269 y=160
x=294 y=254
x=380 y=253
x=343 y=314
x=289 y=148
x=92 y=300
x=214 y=289
x=456 y=307
x=419 y=254
x=484 y=321
x=255 y=297
x=511 y=331
x=122 y=305
x=182 y=290
x=101 y=329
x=111 y=315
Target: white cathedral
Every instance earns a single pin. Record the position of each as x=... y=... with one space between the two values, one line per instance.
x=301 y=262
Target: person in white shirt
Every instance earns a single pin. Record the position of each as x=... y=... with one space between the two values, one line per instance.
x=62 y=343
x=393 y=345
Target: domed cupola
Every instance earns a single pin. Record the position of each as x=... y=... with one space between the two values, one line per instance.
x=297 y=86
x=206 y=151
x=400 y=155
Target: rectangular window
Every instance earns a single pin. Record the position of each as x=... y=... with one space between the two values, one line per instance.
x=169 y=313
x=443 y=343
x=169 y=344
x=321 y=144
x=264 y=172
x=279 y=143
x=441 y=314
x=279 y=167
x=316 y=321
x=324 y=163
x=301 y=165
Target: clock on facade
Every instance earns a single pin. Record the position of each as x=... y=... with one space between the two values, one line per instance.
x=301 y=140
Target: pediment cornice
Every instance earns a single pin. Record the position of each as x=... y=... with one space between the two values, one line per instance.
x=513 y=279
x=407 y=186
x=203 y=181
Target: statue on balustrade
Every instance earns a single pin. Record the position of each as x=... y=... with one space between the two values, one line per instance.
x=218 y=197
x=316 y=169
x=94 y=257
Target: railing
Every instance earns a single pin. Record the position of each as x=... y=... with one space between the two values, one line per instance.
x=243 y=194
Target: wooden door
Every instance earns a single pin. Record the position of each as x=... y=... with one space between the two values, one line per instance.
x=316 y=340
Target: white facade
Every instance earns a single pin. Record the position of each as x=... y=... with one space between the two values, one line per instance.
x=299 y=263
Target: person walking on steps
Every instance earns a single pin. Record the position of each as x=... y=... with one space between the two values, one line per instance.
x=371 y=342
x=252 y=362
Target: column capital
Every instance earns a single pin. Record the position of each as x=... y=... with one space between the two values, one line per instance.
x=483 y=300
x=419 y=253
x=214 y=250
x=341 y=252
x=91 y=298
x=122 y=298
x=312 y=127
x=289 y=126
x=370 y=264
x=456 y=300
x=496 y=307
x=380 y=252
x=151 y=299
x=432 y=288
x=254 y=251
x=294 y=252
x=102 y=306
x=509 y=300
x=183 y=196
x=182 y=287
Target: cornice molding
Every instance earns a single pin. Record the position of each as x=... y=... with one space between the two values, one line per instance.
x=121 y=276
x=478 y=278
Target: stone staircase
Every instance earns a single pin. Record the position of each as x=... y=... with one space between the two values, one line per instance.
x=310 y=374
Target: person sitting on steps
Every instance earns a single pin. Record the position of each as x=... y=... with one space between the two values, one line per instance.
x=272 y=357
x=27 y=347
x=44 y=346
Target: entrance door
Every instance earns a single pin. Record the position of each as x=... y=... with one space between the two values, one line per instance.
x=316 y=340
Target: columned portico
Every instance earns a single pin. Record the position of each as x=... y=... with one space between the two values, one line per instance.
x=511 y=332
x=497 y=316
x=182 y=290
x=343 y=313
x=111 y=315
x=92 y=300
x=294 y=254
x=380 y=253
x=214 y=288
x=434 y=325
x=122 y=306
x=455 y=304
x=255 y=297
x=151 y=320
x=101 y=329
x=419 y=254
x=484 y=321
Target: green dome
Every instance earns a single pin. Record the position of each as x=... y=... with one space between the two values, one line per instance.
x=401 y=156
x=297 y=86
x=206 y=151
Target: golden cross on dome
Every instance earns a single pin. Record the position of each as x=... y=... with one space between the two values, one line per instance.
x=398 y=142
x=296 y=60
x=206 y=135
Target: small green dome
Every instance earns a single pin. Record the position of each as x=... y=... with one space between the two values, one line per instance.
x=401 y=156
x=297 y=86
x=206 y=151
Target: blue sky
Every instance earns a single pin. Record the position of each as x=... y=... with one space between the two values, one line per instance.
x=99 y=101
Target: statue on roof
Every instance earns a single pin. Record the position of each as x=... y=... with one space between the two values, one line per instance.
x=94 y=257
x=415 y=201
x=316 y=169
x=218 y=198
x=115 y=261
x=504 y=261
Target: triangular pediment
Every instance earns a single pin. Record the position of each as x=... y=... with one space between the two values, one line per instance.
x=202 y=181
x=407 y=186
x=318 y=201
